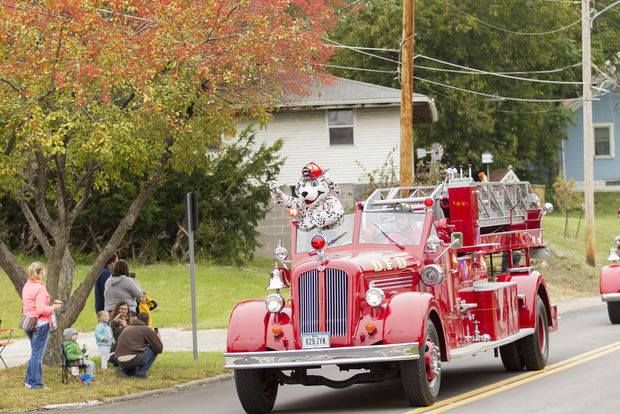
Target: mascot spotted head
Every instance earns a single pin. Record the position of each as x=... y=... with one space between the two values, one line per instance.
x=314 y=186
x=315 y=199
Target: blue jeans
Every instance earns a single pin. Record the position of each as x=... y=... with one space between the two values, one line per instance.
x=140 y=365
x=38 y=343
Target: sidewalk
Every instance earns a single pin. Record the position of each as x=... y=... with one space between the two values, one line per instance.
x=214 y=340
x=175 y=340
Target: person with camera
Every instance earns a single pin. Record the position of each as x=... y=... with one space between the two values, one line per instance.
x=121 y=288
x=37 y=319
x=138 y=347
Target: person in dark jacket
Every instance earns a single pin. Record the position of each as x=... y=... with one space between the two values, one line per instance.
x=138 y=347
x=105 y=273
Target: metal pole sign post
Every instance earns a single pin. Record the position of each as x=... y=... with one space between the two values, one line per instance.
x=192 y=225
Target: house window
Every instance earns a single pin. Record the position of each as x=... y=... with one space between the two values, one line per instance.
x=603 y=141
x=340 y=123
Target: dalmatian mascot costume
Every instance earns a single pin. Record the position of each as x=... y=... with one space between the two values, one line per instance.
x=317 y=205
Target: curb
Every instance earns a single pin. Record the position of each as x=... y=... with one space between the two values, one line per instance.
x=143 y=394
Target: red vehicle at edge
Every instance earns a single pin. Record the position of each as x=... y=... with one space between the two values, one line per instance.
x=400 y=286
x=610 y=281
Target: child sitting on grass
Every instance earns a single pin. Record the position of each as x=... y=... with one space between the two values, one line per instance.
x=104 y=338
x=75 y=354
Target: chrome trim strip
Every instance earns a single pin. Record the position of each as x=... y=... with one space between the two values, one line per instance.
x=490 y=286
x=610 y=297
x=325 y=356
x=478 y=347
x=309 y=301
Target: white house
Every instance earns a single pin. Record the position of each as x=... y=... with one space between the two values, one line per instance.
x=343 y=127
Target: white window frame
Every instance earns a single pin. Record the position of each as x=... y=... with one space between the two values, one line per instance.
x=612 y=149
x=354 y=126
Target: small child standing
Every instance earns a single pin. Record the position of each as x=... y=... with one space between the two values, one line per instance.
x=104 y=338
x=75 y=354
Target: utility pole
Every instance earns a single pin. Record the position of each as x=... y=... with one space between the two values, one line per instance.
x=406 y=95
x=588 y=131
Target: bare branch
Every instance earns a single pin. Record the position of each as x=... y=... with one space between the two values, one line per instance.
x=11 y=266
x=34 y=226
x=61 y=189
x=88 y=181
x=41 y=194
x=12 y=86
x=81 y=293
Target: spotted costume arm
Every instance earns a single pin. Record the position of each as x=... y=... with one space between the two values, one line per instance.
x=282 y=199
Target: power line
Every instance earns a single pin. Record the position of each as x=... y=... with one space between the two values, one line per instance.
x=512 y=31
x=501 y=75
x=363 y=52
x=490 y=109
x=361 y=69
x=499 y=97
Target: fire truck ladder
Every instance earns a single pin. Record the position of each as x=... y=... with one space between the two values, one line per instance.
x=504 y=203
x=498 y=203
x=383 y=198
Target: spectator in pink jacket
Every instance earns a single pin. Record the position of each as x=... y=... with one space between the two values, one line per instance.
x=36 y=302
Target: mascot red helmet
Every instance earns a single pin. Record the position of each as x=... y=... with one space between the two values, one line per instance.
x=311 y=171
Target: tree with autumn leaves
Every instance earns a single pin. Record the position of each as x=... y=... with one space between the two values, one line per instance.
x=91 y=90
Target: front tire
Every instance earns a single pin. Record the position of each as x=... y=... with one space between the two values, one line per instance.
x=535 y=347
x=257 y=390
x=511 y=357
x=422 y=378
x=613 y=310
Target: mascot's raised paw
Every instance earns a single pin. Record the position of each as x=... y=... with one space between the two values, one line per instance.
x=315 y=199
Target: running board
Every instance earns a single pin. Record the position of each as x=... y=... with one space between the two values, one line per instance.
x=479 y=347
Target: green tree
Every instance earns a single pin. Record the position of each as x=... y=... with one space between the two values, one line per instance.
x=566 y=198
x=524 y=135
x=93 y=91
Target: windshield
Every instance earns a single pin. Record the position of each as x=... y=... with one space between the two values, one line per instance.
x=339 y=235
x=392 y=227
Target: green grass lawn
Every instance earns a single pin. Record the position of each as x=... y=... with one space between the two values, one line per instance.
x=218 y=289
x=169 y=369
x=567 y=274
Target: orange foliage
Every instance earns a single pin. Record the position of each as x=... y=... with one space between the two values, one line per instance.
x=257 y=48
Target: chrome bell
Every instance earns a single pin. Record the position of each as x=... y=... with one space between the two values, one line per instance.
x=277 y=279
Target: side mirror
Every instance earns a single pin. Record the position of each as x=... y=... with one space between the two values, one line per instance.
x=548 y=208
x=432 y=244
x=539 y=252
x=456 y=239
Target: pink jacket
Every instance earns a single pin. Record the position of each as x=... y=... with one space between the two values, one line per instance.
x=35 y=300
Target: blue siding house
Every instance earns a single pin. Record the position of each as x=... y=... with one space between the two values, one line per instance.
x=606 y=120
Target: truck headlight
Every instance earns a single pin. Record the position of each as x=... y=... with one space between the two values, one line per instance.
x=432 y=275
x=375 y=297
x=274 y=303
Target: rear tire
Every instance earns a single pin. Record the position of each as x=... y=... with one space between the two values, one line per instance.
x=535 y=347
x=613 y=309
x=511 y=357
x=422 y=378
x=257 y=390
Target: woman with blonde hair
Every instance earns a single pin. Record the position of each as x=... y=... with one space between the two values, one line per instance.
x=36 y=303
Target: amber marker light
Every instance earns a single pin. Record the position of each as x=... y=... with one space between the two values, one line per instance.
x=371 y=328
x=277 y=330
x=293 y=212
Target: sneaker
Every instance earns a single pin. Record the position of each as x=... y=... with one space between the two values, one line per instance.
x=27 y=386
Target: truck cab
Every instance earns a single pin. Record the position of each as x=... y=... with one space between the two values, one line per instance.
x=400 y=286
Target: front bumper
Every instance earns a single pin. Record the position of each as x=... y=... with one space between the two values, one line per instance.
x=323 y=356
x=610 y=297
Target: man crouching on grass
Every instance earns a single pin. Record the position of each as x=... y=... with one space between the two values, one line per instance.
x=137 y=347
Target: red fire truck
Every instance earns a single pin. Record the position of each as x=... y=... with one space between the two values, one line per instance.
x=408 y=281
x=610 y=281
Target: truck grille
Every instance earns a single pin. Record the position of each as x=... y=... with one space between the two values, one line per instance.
x=336 y=303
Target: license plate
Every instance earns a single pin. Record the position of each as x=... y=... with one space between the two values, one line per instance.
x=315 y=340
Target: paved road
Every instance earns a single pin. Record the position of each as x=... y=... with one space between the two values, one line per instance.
x=573 y=387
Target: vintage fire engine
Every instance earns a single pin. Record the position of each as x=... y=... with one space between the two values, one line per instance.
x=402 y=285
x=610 y=281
